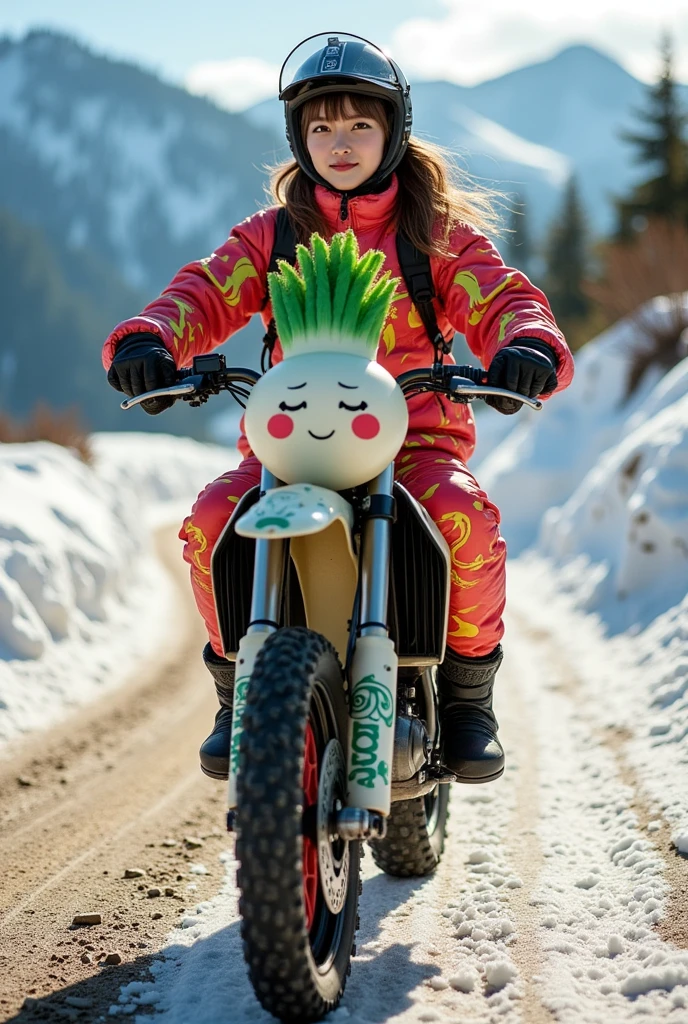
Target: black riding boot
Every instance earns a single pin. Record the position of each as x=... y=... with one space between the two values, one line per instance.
x=215 y=750
x=470 y=747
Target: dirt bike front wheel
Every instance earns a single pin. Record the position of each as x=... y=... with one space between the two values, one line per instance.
x=299 y=885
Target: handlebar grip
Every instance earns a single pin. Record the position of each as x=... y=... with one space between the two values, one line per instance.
x=473 y=373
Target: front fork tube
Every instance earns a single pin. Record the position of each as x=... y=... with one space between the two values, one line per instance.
x=373 y=697
x=266 y=599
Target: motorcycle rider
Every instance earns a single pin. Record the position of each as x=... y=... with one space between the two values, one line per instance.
x=356 y=165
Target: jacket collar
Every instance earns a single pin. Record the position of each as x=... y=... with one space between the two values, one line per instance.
x=366 y=211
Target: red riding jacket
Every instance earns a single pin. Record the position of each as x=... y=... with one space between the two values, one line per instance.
x=492 y=305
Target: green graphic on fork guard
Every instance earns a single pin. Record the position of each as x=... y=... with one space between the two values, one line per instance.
x=371 y=702
x=249 y=648
x=240 y=691
x=372 y=721
x=371 y=699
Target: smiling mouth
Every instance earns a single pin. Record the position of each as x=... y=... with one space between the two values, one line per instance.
x=321 y=437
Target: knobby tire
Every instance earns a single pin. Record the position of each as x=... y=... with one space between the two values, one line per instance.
x=416 y=830
x=296 y=688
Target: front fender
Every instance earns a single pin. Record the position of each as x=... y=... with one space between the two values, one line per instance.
x=319 y=523
x=296 y=511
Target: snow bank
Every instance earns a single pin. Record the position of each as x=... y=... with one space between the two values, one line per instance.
x=601 y=488
x=544 y=458
x=609 y=578
x=623 y=534
x=82 y=597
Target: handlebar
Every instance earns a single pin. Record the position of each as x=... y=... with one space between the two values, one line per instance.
x=459 y=383
x=210 y=375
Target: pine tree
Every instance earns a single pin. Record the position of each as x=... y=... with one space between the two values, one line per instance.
x=663 y=149
x=566 y=262
x=519 y=248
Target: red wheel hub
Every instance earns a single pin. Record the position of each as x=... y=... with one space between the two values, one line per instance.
x=310 y=848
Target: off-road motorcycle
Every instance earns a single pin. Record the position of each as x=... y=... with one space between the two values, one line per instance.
x=332 y=596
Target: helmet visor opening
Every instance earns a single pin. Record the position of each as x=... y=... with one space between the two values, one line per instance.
x=341 y=106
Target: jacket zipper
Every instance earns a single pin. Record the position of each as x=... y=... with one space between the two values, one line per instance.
x=344 y=207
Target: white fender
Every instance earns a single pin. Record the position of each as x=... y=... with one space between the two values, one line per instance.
x=296 y=511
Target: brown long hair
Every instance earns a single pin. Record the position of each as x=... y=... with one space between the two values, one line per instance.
x=434 y=194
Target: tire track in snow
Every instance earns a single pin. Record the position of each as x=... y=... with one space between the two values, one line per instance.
x=673 y=925
x=603 y=883
x=517 y=730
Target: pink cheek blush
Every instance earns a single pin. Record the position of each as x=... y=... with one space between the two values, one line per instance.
x=280 y=426
x=365 y=426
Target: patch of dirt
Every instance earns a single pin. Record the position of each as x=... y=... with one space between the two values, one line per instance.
x=117 y=786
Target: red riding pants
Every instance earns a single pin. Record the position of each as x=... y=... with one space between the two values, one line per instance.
x=452 y=498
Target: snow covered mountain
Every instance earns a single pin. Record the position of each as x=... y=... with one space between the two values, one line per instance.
x=107 y=158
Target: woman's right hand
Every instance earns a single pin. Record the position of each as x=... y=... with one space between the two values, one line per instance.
x=142 y=363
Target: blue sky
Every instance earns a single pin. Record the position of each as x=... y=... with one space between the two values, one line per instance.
x=173 y=36
x=233 y=50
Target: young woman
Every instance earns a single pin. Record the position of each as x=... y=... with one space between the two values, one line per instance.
x=356 y=165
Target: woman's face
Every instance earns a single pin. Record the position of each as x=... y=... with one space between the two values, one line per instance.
x=345 y=152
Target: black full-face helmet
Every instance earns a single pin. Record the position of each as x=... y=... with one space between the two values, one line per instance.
x=344 y=63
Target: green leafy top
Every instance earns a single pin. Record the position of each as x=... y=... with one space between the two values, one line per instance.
x=335 y=303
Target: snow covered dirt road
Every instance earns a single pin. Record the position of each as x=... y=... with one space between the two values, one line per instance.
x=560 y=897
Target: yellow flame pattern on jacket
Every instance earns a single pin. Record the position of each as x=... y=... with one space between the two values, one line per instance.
x=231 y=287
x=464 y=628
x=182 y=329
x=503 y=324
x=479 y=303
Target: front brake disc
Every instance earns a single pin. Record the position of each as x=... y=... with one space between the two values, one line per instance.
x=333 y=853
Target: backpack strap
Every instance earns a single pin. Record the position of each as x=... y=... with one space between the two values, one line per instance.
x=415 y=266
x=283 y=248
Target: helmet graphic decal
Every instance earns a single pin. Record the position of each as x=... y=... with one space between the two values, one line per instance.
x=328 y=414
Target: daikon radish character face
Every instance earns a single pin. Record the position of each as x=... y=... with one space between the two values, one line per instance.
x=328 y=414
x=326 y=418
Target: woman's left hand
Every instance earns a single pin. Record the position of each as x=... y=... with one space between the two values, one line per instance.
x=526 y=366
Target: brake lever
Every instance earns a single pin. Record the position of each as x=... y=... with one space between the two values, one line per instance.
x=186 y=387
x=468 y=391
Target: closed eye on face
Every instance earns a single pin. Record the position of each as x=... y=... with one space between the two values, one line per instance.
x=292 y=408
x=354 y=408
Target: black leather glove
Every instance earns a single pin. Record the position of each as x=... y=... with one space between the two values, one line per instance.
x=142 y=363
x=526 y=365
